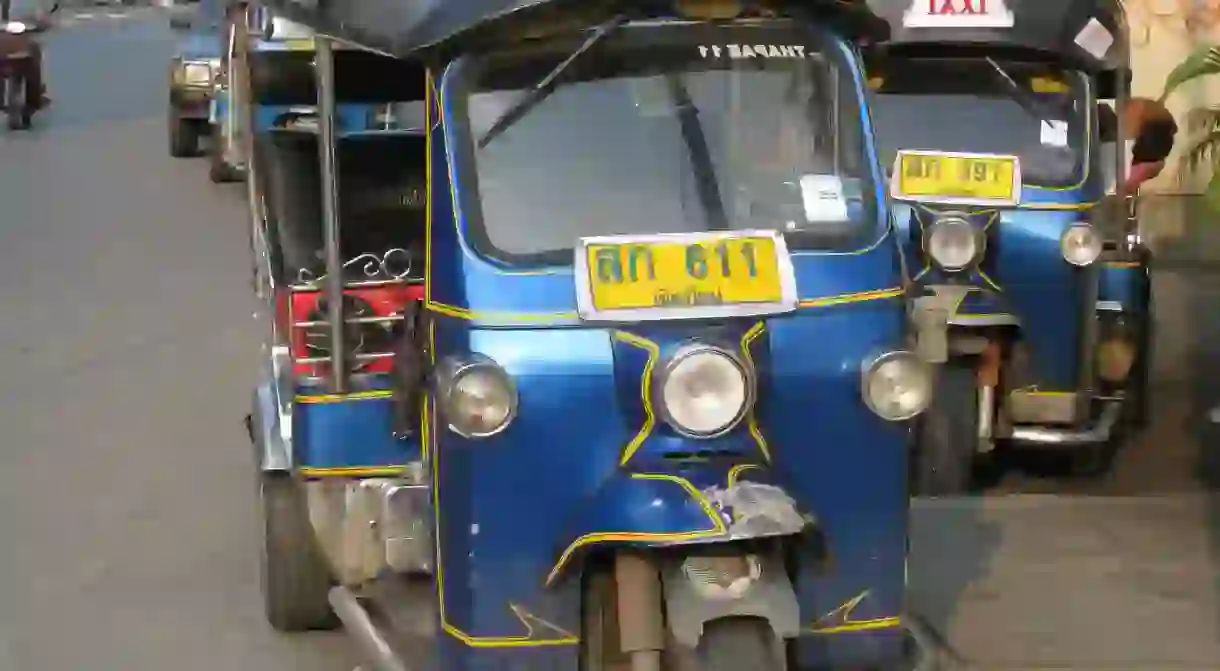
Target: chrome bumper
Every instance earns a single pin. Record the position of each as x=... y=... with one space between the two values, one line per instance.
x=1098 y=431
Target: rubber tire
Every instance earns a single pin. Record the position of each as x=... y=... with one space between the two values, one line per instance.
x=219 y=171
x=295 y=578
x=19 y=116
x=183 y=137
x=947 y=446
x=736 y=643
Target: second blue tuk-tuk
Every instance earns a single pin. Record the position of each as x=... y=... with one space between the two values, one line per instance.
x=608 y=364
x=1003 y=184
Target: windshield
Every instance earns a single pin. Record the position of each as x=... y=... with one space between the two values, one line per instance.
x=665 y=130
x=966 y=105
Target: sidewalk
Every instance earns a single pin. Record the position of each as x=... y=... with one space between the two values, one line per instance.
x=1083 y=583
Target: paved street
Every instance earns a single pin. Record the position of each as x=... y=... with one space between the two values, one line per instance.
x=126 y=496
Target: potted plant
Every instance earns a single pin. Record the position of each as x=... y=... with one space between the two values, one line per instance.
x=1202 y=123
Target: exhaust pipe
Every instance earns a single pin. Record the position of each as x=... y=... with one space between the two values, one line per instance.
x=1098 y=432
x=360 y=626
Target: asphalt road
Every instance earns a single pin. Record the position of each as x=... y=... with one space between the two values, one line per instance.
x=126 y=494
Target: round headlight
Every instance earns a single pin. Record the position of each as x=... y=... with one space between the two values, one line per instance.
x=897 y=386
x=479 y=400
x=705 y=392
x=1081 y=244
x=954 y=243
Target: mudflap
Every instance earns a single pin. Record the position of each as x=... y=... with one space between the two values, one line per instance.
x=697 y=591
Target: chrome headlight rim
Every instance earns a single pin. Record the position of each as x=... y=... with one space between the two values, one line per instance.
x=1087 y=228
x=873 y=364
x=683 y=354
x=451 y=371
x=950 y=219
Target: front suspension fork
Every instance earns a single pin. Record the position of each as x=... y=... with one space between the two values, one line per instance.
x=988 y=373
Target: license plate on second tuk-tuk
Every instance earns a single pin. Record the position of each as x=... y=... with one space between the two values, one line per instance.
x=684 y=275
x=972 y=179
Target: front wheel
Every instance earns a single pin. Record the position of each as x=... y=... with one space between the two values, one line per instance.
x=19 y=115
x=736 y=643
x=183 y=136
x=296 y=581
x=948 y=434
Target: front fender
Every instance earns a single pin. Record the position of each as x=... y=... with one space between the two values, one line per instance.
x=703 y=505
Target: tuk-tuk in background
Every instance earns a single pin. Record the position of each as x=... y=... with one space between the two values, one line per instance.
x=193 y=73
x=608 y=363
x=1003 y=188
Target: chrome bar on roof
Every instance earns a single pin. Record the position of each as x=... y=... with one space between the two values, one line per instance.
x=324 y=66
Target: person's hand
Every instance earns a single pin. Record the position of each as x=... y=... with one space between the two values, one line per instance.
x=1140 y=173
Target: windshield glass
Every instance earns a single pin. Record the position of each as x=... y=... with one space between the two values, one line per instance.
x=965 y=105
x=665 y=130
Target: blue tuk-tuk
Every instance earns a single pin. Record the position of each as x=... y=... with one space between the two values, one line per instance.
x=1003 y=186
x=622 y=373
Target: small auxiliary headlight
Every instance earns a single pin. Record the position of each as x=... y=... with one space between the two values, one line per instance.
x=1080 y=244
x=897 y=385
x=477 y=397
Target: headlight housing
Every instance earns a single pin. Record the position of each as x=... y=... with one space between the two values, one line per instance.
x=954 y=243
x=476 y=395
x=1080 y=244
x=704 y=391
x=897 y=385
x=197 y=74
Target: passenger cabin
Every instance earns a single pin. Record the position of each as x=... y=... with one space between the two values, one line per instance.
x=381 y=187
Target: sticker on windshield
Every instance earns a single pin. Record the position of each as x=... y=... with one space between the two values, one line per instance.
x=1095 y=39
x=958 y=14
x=1054 y=133
x=822 y=196
x=1047 y=85
x=737 y=51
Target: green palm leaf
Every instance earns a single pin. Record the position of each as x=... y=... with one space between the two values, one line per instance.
x=1203 y=62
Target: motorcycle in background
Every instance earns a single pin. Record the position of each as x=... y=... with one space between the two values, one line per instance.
x=14 y=71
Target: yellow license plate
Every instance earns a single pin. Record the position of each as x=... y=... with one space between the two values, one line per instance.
x=957 y=177
x=715 y=272
x=300 y=44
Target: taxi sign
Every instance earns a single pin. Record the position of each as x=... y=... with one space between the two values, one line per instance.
x=959 y=14
x=955 y=178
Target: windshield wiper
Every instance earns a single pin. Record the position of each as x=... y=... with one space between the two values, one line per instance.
x=1032 y=106
x=707 y=186
x=547 y=86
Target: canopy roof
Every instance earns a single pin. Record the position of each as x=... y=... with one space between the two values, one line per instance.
x=405 y=28
x=1090 y=34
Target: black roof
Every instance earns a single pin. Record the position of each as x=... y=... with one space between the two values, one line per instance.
x=405 y=28
x=1050 y=27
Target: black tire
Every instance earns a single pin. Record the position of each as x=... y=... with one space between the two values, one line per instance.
x=736 y=643
x=19 y=116
x=295 y=578
x=945 y=453
x=1092 y=461
x=183 y=137
x=219 y=171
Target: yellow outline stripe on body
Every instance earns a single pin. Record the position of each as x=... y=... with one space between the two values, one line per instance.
x=717 y=529
x=353 y=471
x=839 y=621
x=751 y=417
x=340 y=398
x=650 y=417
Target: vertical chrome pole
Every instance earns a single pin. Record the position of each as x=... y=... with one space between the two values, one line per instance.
x=324 y=64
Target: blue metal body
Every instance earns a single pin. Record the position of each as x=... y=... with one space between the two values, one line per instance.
x=588 y=464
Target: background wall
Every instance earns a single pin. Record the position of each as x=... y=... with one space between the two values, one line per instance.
x=1163 y=32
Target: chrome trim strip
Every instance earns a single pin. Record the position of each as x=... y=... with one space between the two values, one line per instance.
x=1097 y=432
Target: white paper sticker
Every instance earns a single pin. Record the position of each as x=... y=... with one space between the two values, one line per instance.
x=1095 y=39
x=1054 y=133
x=823 y=199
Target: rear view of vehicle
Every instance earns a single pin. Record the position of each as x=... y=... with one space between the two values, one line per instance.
x=15 y=64
x=988 y=119
x=193 y=74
